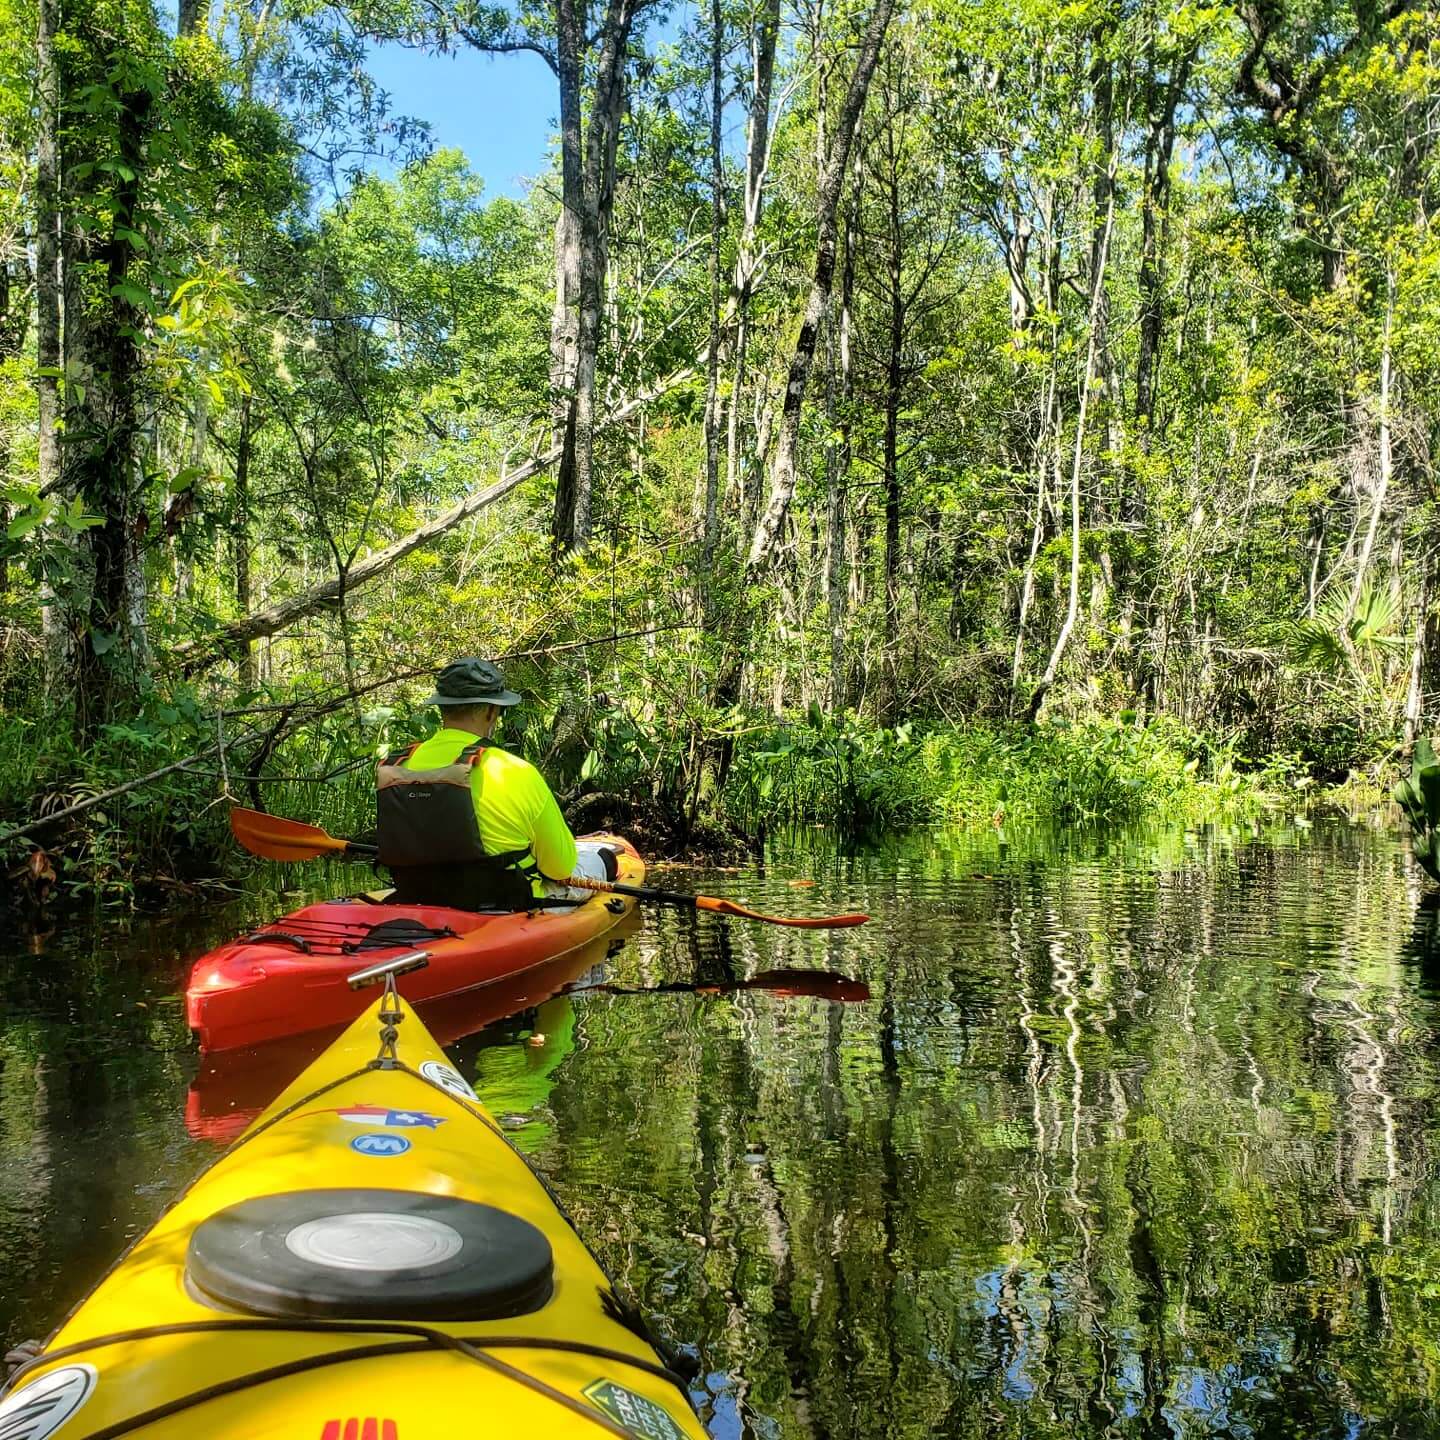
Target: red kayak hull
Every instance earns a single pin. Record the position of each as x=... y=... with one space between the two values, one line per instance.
x=231 y=1088
x=258 y=989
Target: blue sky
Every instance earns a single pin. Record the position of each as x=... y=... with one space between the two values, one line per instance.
x=500 y=110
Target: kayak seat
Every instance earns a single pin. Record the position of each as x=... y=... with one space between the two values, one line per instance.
x=370 y=1254
x=395 y=934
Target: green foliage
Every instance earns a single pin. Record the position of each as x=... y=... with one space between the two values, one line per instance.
x=857 y=776
x=1418 y=795
x=842 y=771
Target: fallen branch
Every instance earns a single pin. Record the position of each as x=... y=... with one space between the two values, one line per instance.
x=317 y=707
x=94 y=800
x=195 y=654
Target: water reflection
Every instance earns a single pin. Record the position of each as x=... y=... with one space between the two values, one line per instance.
x=1135 y=1138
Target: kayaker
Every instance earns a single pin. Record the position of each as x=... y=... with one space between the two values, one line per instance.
x=467 y=824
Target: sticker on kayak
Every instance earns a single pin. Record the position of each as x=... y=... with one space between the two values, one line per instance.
x=633 y=1411
x=368 y=1145
x=39 y=1409
x=448 y=1079
x=381 y=1115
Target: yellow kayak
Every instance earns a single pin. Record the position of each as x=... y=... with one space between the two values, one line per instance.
x=371 y=1260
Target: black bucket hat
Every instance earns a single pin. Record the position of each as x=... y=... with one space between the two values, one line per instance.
x=472 y=682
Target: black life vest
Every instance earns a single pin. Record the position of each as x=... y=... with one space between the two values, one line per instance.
x=430 y=839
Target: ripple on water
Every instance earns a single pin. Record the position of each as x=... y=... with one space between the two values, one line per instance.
x=1135 y=1137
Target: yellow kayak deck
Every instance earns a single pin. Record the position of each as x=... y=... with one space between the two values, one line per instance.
x=349 y=1146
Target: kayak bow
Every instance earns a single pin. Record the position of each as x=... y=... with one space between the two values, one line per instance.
x=288 y=977
x=372 y=1260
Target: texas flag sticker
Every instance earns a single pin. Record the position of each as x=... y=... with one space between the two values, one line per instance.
x=383 y=1115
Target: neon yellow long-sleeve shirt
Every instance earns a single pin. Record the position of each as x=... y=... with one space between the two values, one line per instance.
x=513 y=803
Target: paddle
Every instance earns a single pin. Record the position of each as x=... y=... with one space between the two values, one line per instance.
x=274 y=838
x=821 y=984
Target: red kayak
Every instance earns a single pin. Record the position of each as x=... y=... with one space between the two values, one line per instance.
x=288 y=977
x=229 y=1090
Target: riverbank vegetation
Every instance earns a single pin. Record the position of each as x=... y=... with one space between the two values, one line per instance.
x=875 y=415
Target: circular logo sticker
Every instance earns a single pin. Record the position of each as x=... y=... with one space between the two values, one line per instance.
x=375 y=1144
x=448 y=1079
x=39 y=1409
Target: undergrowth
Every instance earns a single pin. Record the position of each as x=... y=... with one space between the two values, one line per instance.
x=162 y=839
x=843 y=771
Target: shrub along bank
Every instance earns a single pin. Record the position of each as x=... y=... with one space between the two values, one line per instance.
x=163 y=838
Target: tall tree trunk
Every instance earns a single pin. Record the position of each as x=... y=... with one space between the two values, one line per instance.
x=1049 y=436
x=1161 y=102
x=757 y=164
x=894 y=385
x=572 y=521
x=838 y=478
x=782 y=469
x=565 y=317
x=240 y=539
x=47 y=241
x=712 y=360
x=1102 y=75
x=102 y=416
x=47 y=310
x=1386 y=449
x=1062 y=640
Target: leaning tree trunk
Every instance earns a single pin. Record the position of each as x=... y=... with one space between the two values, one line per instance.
x=782 y=475
x=783 y=468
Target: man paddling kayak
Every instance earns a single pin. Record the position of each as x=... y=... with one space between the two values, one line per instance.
x=465 y=823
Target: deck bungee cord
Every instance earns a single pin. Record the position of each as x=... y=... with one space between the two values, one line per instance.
x=419 y=1337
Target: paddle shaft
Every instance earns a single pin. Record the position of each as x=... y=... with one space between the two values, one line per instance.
x=275 y=838
x=717 y=905
x=638 y=892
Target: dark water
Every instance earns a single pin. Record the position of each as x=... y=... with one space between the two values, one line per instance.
x=1136 y=1137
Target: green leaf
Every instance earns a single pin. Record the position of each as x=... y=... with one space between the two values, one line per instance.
x=101 y=643
x=129 y=291
x=24 y=523
x=1429 y=779
x=184 y=479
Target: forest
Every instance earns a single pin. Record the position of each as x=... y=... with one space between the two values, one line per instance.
x=873 y=414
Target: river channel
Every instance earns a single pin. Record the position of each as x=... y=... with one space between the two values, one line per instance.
x=1137 y=1135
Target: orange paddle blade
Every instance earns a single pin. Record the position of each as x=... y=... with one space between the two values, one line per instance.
x=722 y=906
x=272 y=837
